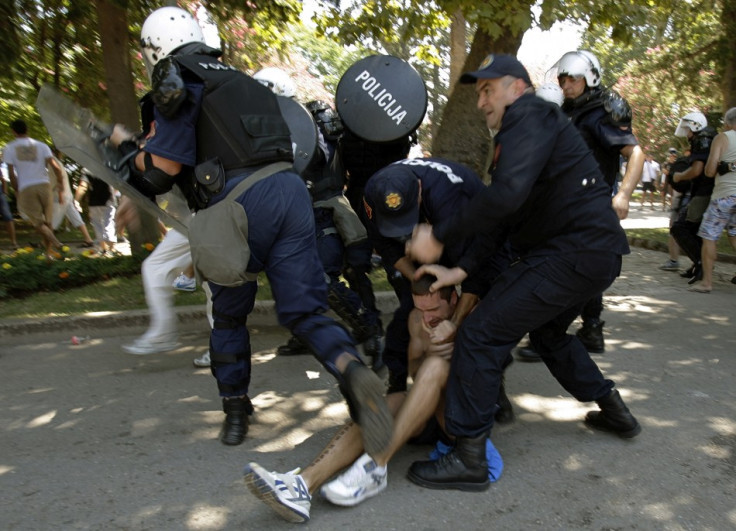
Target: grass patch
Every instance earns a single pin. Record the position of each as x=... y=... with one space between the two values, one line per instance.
x=119 y=294
x=723 y=246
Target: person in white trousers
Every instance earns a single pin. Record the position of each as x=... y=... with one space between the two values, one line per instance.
x=169 y=257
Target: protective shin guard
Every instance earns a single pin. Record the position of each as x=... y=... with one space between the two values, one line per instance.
x=614 y=416
x=464 y=468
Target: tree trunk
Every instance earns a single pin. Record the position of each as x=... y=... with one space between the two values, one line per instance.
x=728 y=54
x=113 y=25
x=458 y=30
x=463 y=135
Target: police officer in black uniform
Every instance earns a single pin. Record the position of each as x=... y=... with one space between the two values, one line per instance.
x=604 y=120
x=431 y=190
x=548 y=189
x=342 y=241
x=694 y=126
x=209 y=116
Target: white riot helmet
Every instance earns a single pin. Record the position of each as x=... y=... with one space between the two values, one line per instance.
x=694 y=121
x=551 y=92
x=580 y=63
x=277 y=80
x=165 y=30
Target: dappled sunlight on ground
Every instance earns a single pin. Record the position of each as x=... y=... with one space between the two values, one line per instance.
x=205 y=517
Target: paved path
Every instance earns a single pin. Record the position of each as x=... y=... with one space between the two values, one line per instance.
x=93 y=438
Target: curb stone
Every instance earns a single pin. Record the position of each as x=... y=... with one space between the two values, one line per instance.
x=263 y=314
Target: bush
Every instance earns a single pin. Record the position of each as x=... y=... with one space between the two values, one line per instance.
x=29 y=271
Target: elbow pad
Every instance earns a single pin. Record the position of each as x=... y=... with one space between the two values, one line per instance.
x=152 y=181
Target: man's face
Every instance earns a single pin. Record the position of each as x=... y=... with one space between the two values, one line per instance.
x=494 y=95
x=434 y=308
x=572 y=87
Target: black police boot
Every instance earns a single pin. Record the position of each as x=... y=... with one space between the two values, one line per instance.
x=464 y=468
x=293 y=347
x=591 y=335
x=614 y=416
x=527 y=353
x=236 y=420
x=505 y=412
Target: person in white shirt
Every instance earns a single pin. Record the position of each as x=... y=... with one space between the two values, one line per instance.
x=27 y=159
x=649 y=176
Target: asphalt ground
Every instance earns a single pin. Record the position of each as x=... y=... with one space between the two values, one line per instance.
x=93 y=438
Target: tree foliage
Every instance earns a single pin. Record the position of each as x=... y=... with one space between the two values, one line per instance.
x=670 y=67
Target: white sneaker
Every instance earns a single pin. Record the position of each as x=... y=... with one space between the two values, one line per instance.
x=203 y=360
x=364 y=479
x=184 y=283
x=144 y=347
x=287 y=494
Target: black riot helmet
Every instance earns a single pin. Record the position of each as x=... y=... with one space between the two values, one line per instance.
x=327 y=119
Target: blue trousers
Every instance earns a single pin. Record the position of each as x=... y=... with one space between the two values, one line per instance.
x=281 y=237
x=542 y=296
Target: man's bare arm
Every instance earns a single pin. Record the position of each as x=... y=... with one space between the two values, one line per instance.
x=716 y=150
x=634 y=167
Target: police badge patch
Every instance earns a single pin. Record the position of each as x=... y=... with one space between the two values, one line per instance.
x=394 y=201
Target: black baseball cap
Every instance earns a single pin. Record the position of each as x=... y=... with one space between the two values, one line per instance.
x=391 y=200
x=495 y=66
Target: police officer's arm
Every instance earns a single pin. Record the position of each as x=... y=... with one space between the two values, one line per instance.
x=635 y=157
x=695 y=169
x=514 y=175
x=720 y=142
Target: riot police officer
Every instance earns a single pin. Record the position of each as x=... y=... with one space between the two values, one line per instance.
x=604 y=120
x=694 y=126
x=342 y=242
x=214 y=126
x=569 y=241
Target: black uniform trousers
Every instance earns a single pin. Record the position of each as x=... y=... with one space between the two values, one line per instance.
x=541 y=295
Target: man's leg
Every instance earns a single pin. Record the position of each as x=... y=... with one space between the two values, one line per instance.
x=158 y=269
x=290 y=494
x=285 y=246
x=530 y=293
x=230 y=352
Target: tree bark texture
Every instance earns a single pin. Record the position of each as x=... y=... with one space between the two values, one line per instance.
x=463 y=135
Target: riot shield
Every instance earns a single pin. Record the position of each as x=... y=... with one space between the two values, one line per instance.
x=381 y=98
x=303 y=130
x=82 y=137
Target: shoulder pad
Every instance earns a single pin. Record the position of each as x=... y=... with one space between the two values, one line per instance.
x=619 y=112
x=168 y=91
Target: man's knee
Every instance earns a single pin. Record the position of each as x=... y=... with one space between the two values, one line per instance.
x=434 y=370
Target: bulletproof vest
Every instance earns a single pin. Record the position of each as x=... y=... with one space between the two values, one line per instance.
x=700 y=143
x=363 y=158
x=681 y=164
x=328 y=179
x=585 y=111
x=240 y=122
